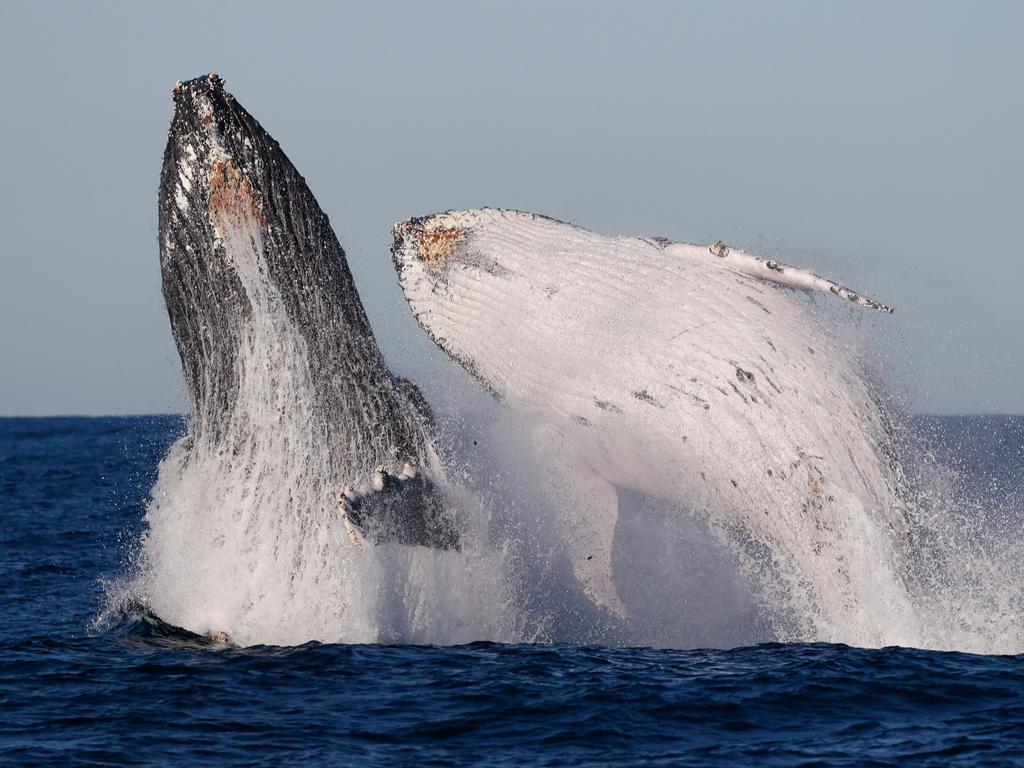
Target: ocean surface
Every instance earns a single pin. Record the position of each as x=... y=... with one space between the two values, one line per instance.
x=82 y=686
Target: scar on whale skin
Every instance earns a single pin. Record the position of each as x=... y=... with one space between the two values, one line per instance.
x=437 y=246
x=645 y=397
x=435 y=243
x=231 y=197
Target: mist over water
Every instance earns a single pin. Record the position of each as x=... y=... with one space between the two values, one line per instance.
x=244 y=541
x=268 y=563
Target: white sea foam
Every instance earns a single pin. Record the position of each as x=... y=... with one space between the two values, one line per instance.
x=243 y=537
x=218 y=557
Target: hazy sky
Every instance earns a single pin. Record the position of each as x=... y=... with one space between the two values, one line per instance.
x=879 y=143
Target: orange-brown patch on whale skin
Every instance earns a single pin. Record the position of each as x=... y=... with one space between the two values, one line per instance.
x=437 y=246
x=231 y=199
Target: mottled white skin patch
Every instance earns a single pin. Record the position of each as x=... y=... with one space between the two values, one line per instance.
x=658 y=367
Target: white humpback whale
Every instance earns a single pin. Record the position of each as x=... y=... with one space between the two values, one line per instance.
x=292 y=403
x=685 y=372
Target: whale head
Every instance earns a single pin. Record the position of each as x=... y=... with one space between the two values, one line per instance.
x=469 y=280
x=243 y=242
x=283 y=372
x=248 y=257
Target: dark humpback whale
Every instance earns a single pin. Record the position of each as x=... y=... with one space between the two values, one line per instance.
x=286 y=382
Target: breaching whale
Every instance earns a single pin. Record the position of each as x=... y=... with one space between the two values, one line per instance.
x=685 y=372
x=292 y=403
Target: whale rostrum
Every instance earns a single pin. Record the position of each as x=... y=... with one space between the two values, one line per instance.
x=284 y=377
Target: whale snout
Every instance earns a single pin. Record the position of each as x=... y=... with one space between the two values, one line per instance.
x=210 y=168
x=430 y=242
x=199 y=102
x=211 y=82
x=208 y=126
x=192 y=144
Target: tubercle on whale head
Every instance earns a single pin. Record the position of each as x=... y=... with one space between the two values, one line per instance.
x=199 y=103
x=213 y=81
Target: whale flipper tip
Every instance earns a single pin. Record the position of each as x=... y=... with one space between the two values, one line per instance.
x=402 y=508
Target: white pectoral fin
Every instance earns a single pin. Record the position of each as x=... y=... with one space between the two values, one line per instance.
x=588 y=510
x=589 y=532
x=791 y=277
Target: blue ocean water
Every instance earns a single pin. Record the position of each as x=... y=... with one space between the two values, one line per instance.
x=133 y=690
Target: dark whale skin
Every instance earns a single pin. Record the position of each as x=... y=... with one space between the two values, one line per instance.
x=222 y=171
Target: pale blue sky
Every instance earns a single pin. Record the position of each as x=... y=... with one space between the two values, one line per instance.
x=879 y=143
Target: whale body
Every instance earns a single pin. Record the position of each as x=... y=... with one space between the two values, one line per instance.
x=292 y=403
x=690 y=373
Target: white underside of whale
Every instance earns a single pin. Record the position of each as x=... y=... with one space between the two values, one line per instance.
x=677 y=371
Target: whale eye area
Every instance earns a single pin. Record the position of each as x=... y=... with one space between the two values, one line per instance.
x=231 y=197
